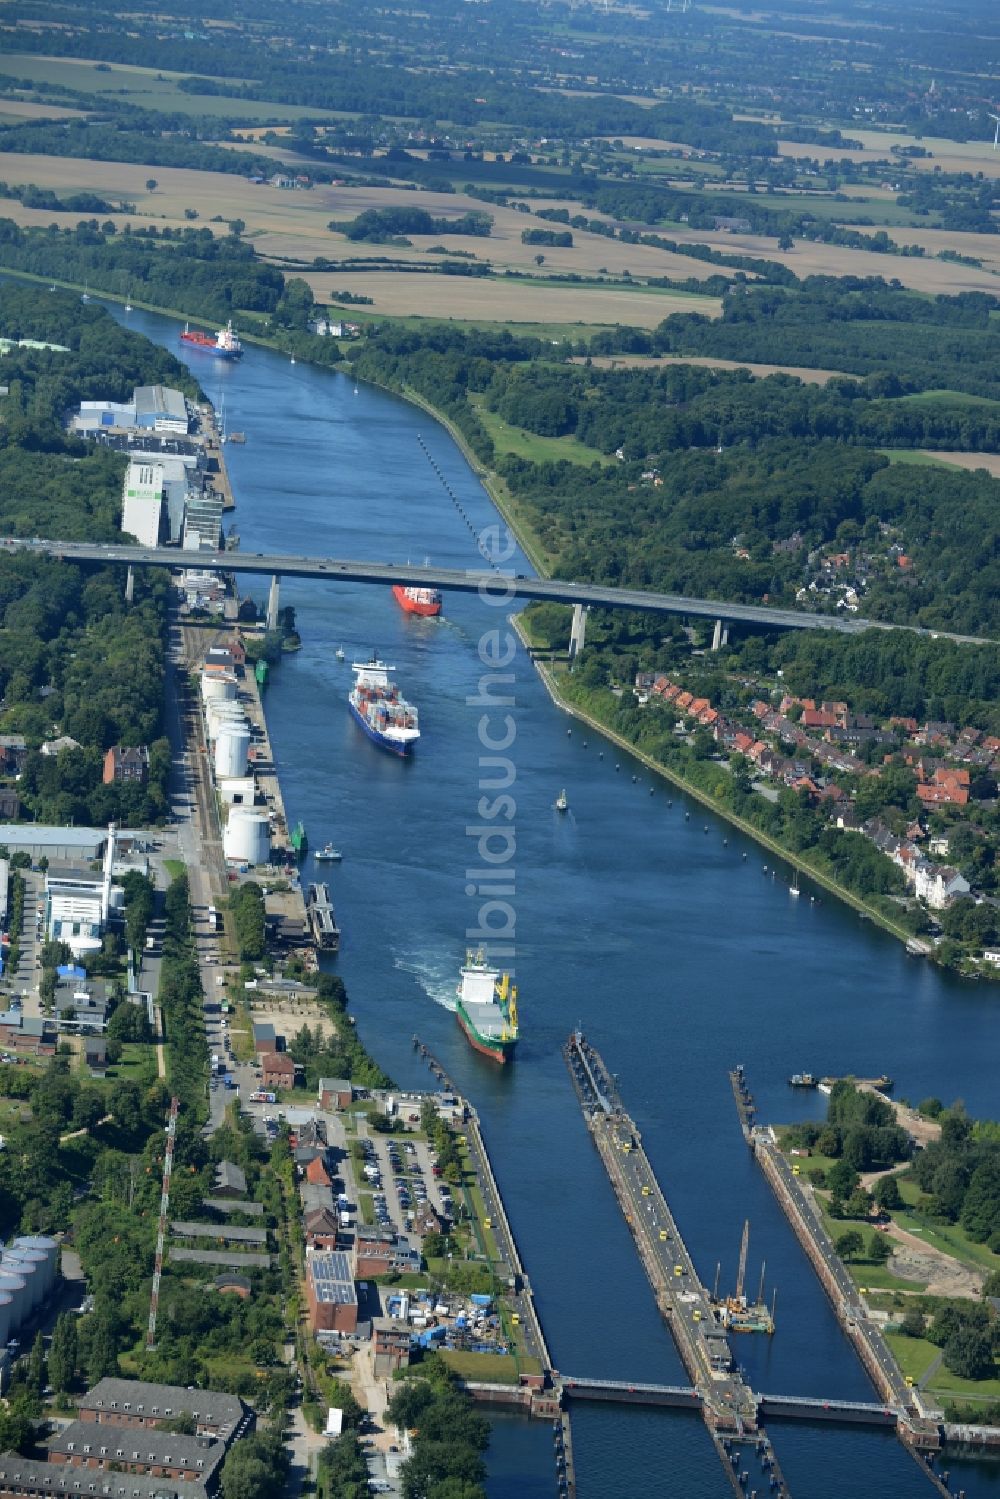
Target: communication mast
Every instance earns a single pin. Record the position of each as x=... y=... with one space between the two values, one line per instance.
x=168 y=1166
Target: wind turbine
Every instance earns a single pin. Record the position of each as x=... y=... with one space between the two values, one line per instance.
x=996 y=133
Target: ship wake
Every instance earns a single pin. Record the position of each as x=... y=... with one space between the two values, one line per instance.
x=435 y=977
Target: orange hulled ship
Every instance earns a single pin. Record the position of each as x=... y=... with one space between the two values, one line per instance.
x=425 y=601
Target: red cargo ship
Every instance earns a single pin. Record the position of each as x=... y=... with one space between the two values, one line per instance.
x=225 y=344
x=425 y=601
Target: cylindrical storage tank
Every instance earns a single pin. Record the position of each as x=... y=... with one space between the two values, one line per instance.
x=216 y=686
x=223 y=716
x=16 y=1287
x=232 y=749
x=29 y=1271
x=49 y=1249
x=6 y=1302
x=247 y=837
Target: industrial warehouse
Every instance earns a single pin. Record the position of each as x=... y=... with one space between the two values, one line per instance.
x=174 y=491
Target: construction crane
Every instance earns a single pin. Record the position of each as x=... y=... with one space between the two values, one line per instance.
x=741 y=1273
x=168 y=1166
x=737 y=1312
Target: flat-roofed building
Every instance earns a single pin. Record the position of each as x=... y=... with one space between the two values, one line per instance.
x=203 y=521
x=330 y=1293
x=142 y=502
x=77 y=902
x=391 y=1343
x=160 y=408
x=76 y=845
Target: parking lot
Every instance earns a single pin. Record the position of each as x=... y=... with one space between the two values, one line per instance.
x=405 y=1178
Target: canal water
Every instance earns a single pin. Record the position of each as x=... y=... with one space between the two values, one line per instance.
x=639 y=917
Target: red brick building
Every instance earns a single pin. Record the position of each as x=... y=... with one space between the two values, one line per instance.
x=161 y=1454
x=134 y=1403
x=277 y=1070
x=330 y=1293
x=124 y=763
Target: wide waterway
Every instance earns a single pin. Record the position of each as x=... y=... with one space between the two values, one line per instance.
x=638 y=917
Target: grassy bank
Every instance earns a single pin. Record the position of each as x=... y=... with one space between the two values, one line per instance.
x=668 y=773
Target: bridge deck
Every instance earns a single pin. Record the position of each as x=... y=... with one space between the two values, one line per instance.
x=554 y=590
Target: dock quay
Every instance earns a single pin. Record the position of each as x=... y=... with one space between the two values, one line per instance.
x=744 y=1101
x=286 y=909
x=919 y=1427
x=727 y=1403
x=217 y=473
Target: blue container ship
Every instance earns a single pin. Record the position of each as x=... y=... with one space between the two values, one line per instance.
x=386 y=717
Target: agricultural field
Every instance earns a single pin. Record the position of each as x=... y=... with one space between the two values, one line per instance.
x=512 y=302
x=150 y=88
x=645 y=361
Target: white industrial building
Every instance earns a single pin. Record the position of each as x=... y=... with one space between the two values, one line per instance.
x=78 y=902
x=160 y=408
x=142 y=502
x=93 y=415
x=154 y=496
x=38 y=840
x=155 y=408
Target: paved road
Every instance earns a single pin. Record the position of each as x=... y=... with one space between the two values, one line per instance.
x=555 y=590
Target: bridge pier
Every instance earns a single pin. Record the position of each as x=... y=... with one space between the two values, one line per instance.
x=720 y=635
x=273 y=603
x=130 y=584
x=578 y=632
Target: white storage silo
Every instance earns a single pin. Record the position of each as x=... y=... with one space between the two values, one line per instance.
x=42 y=1245
x=217 y=686
x=232 y=749
x=29 y=1271
x=6 y=1302
x=247 y=837
x=222 y=716
x=16 y=1287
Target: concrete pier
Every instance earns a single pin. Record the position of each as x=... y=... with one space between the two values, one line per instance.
x=914 y=1426
x=685 y=1305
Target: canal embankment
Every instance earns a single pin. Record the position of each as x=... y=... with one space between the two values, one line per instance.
x=668 y=773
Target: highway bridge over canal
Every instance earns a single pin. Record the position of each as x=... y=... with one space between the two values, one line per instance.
x=493 y=583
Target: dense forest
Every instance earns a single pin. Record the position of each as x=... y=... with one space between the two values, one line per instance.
x=725 y=486
x=75 y=659
x=185 y=269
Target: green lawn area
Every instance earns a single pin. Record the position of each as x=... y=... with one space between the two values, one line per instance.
x=913 y=1355
x=174 y=867
x=492 y=1368
x=365 y=1209
x=861 y=1273
x=241 y=1034
x=910 y=455
x=138 y=1065
x=950 y=1238
x=948 y=397
x=522 y=444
